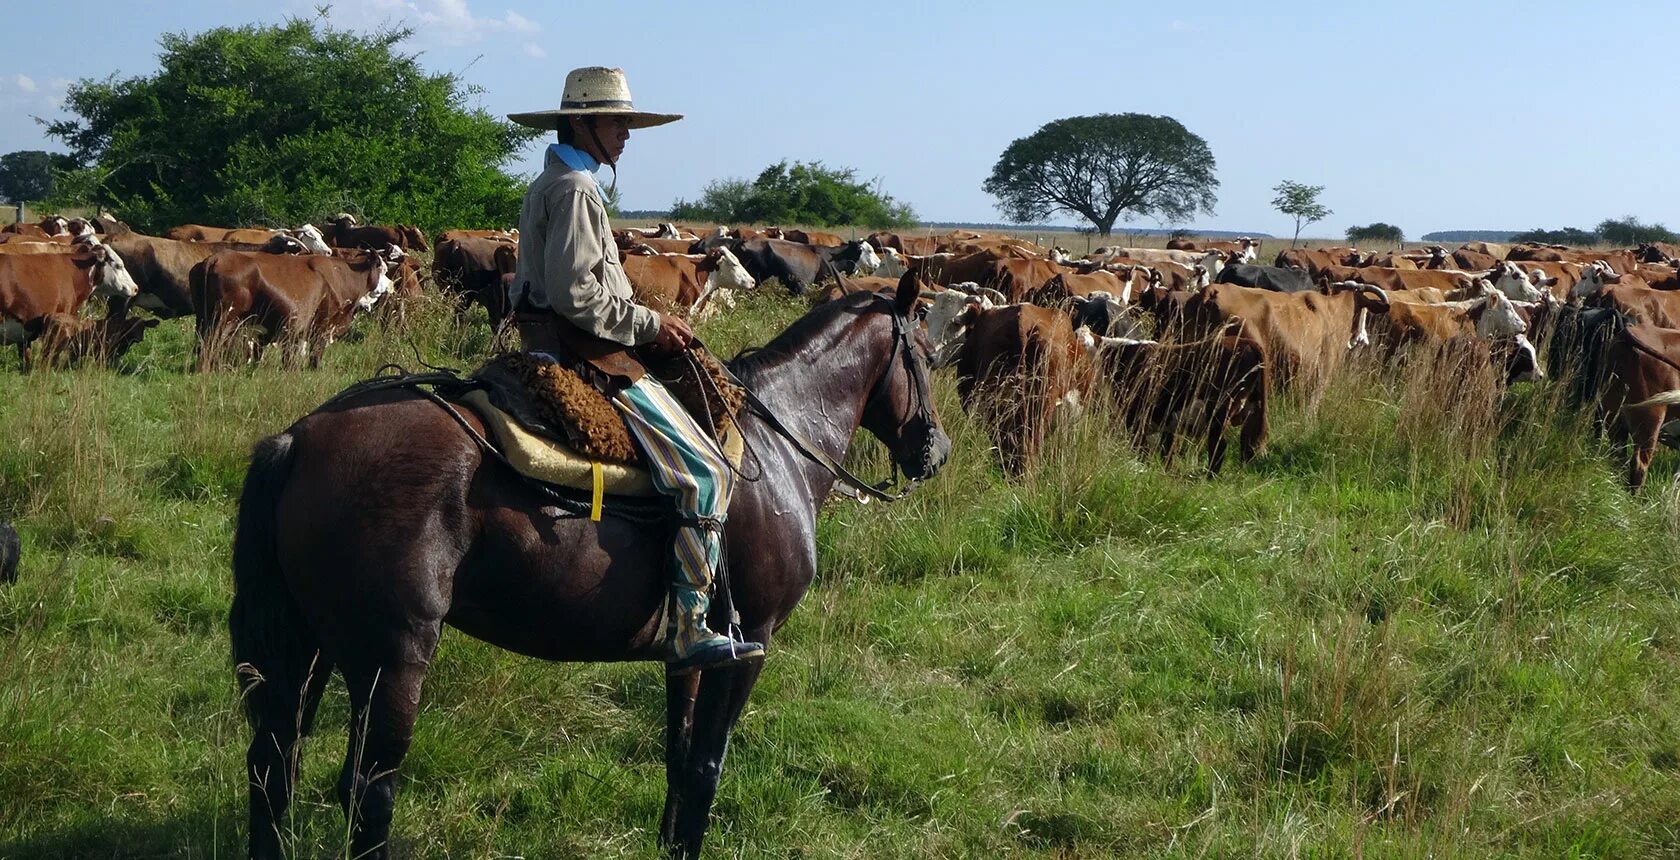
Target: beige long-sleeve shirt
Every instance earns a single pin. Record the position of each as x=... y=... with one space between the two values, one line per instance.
x=568 y=261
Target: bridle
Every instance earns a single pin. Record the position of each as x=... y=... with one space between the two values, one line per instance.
x=851 y=485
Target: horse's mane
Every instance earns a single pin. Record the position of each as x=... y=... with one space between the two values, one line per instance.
x=755 y=358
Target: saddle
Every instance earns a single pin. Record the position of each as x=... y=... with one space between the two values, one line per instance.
x=552 y=425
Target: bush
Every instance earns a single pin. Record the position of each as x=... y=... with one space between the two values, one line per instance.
x=1376 y=232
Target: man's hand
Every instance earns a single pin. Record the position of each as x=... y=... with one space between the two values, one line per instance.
x=674 y=334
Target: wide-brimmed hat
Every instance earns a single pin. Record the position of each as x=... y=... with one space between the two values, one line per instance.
x=594 y=91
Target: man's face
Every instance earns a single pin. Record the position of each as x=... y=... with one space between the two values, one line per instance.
x=614 y=132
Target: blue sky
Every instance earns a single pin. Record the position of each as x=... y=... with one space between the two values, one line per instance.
x=1430 y=115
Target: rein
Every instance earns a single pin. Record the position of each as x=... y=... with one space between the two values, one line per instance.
x=853 y=486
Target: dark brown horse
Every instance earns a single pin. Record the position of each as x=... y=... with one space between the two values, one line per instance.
x=375 y=520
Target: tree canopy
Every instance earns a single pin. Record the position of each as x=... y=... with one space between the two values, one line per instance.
x=1632 y=231
x=27 y=175
x=1376 y=232
x=799 y=193
x=1299 y=201
x=1562 y=236
x=1101 y=167
x=289 y=123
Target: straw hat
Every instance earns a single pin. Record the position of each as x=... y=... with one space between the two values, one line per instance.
x=594 y=91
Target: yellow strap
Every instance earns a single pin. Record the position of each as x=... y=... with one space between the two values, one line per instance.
x=600 y=490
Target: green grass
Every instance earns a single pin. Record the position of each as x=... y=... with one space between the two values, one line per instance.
x=1405 y=631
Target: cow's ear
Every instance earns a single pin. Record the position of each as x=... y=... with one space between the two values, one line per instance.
x=908 y=291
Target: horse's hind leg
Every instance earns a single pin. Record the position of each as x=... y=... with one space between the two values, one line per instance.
x=282 y=713
x=383 y=703
x=723 y=695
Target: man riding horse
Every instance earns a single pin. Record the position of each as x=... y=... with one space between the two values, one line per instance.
x=572 y=302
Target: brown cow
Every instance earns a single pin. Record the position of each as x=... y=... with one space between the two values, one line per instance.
x=687 y=284
x=32 y=286
x=1315 y=261
x=65 y=338
x=1202 y=388
x=1642 y=304
x=1400 y=279
x=342 y=232
x=466 y=267
x=500 y=235
x=1019 y=369
x=308 y=300
x=1641 y=391
x=1305 y=334
x=1474 y=261
x=1622 y=262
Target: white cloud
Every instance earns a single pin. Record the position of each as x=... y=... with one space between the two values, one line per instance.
x=436 y=22
x=25 y=83
x=535 y=51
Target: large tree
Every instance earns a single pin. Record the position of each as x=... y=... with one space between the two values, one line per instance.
x=26 y=175
x=289 y=123
x=1101 y=167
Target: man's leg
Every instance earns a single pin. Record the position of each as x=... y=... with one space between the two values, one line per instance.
x=685 y=464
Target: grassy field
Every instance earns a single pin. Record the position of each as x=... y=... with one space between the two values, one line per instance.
x=1405 y=631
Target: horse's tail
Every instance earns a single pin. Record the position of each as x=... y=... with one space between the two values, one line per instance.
x=268 y=631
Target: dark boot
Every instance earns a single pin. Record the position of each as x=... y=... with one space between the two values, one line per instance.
x=695 y=646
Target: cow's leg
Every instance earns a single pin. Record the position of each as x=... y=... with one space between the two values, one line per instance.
x=680 y=693
x=384 y=701
x=1218 y=422
x=1643 y=426
x=281 y=715
x=722 y=696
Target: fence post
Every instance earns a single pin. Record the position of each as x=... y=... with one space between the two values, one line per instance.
x=19 y=219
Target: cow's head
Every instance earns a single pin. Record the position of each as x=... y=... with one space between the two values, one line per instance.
x=948 y=321
x=79 y=228
x=384 y=265
x=54 y=225
x=724 y=275
x=283 y=244
x=1214 y=263
x=310 y=237
x=1514 y=283
x=868 y=262
x=1593 y=278
x=343 y=219
x=1504 y=328
x=110 y=278
x=1099 y=311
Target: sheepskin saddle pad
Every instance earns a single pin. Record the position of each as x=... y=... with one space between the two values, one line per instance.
x=555 y=427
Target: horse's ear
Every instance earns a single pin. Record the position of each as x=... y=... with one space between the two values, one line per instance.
x=908 y=291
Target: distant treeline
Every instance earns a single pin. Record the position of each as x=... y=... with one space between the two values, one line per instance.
x=665 y=215
x=1469 y=236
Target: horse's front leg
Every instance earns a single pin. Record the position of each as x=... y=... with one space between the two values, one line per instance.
x=722 y=696
x=680 y=693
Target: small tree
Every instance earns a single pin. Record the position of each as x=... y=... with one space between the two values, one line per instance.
x=1099 y=167
x=1376 y=232
x=1300 y=202
x=26 y=175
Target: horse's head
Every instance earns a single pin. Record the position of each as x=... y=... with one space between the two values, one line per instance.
x=900 y=411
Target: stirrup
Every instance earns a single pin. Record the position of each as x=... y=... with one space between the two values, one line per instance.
x=716 y=653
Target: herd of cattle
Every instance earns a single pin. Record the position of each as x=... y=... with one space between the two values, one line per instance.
x=1191 y=340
